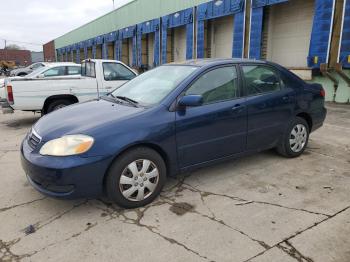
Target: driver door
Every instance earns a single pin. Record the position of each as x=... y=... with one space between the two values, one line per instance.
x=114 y=75
x=218 y=128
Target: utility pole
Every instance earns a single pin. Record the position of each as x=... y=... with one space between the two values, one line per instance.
x=5 y=43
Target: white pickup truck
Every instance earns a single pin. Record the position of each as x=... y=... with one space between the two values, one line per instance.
x=53 y=87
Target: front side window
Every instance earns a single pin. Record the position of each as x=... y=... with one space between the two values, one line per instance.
x=217 y=85
x=152 y=87
x=116 y=71
x=260 y=79
x=73 y=70
x=56 y=71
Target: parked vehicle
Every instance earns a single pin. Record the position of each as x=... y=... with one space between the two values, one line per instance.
x=23 y=71
x=171 y=119
x=4 y=71
x=60 y=84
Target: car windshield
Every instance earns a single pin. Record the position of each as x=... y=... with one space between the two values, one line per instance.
x=36 y=72
x=152 y=87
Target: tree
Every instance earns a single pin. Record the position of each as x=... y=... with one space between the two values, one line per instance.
x=13 y=47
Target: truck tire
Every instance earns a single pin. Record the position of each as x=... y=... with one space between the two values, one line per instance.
x=58 y=104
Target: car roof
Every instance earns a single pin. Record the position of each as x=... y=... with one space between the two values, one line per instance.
x=61 y=64
x=216 y=61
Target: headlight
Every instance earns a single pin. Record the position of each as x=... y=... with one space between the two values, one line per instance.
x=67 y=145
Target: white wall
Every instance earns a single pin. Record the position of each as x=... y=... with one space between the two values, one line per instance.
x=289 y=32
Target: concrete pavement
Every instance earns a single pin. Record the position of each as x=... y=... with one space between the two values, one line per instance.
x=258 y=208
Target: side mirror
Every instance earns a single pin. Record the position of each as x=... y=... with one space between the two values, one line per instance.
x=190 y=100
x=40 y=76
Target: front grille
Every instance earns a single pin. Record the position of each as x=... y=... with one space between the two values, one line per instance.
x=33 y=140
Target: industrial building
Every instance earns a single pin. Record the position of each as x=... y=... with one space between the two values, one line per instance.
x=310 y=37
x=17 y=57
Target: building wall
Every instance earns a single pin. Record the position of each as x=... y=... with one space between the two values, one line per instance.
x=37 y=57
x=287 y=28
x=20 y=57
x=144 y=9
x=49 y=51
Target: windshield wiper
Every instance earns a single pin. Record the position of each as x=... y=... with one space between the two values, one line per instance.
x=129 y=100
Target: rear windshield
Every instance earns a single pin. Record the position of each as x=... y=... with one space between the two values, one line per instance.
x=88 y=69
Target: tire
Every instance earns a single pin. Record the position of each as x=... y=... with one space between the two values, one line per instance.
x=58 y=104
x=287 y=148
x=126 y=179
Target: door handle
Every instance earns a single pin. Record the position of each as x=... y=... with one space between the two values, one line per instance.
x=109 y=87
x=237 y=108
x=285 y=98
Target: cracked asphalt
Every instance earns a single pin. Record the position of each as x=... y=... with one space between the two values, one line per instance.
x=261 y=208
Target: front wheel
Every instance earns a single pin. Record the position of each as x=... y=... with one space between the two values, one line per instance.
x=295 y=139
x=136 y=178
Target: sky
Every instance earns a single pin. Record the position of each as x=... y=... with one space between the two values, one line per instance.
x=36 y=22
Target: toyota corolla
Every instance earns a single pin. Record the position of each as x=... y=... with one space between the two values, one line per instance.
x=172 y=119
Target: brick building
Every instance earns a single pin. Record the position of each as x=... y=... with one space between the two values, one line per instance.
x=20 y=57
x=49 y=52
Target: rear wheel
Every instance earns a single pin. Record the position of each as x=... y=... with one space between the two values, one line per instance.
x=295 y=139
x=136 y=178
x=58 y=104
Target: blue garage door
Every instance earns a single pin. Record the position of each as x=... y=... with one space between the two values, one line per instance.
x=181 y=18
x=108 y=38
x=256 y=25
x=149 y=27
x=220 y=8
x=321 y=33
x=127 y=33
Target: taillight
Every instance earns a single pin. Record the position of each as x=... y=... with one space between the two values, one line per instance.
x=10 y=94
x=323 y=93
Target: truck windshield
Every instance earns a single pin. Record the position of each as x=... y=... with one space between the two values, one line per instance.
x=88 y=69
x=152 y=87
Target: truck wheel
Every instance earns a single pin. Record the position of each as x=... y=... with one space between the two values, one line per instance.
x=58 y=104
x=136 y=178
x=295 y=139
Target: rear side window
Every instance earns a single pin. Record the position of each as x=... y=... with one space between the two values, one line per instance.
x=73 y=70
x=261 y=79
x=116 y=71
x=56 y=71
x=217 y=85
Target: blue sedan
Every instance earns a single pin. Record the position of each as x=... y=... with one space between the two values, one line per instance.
x=172 y=119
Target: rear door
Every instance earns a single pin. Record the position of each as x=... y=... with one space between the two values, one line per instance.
x=270 y=105
x=114 y=75
x=217 y=128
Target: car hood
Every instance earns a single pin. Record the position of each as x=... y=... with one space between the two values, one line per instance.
x=86 y=118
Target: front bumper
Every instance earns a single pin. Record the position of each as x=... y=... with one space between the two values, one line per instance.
x=64 y=177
